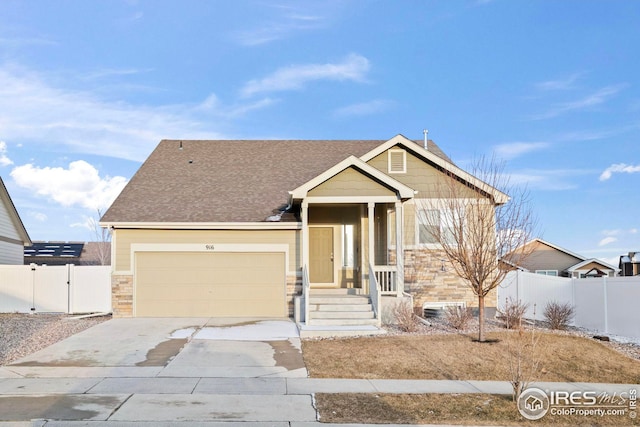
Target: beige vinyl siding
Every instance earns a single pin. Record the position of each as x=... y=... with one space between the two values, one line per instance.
x=593 y=265
x=545 y=257
x=409 y=223
x=125 y=237
x=350 y=182
x=421 y=176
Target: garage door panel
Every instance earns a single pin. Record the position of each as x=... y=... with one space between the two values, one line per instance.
x=210 y=284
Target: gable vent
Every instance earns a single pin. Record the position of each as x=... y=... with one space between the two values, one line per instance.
x=397 y=161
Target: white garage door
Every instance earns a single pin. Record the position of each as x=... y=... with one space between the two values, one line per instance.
x=221 y=284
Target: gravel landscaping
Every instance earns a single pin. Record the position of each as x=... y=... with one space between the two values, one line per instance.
x=23 y=334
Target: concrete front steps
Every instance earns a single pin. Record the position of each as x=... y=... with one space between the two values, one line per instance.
x=339 y=312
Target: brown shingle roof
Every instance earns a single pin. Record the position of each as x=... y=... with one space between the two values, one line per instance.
x=227 y=181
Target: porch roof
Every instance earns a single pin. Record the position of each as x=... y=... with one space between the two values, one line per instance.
x=371 y=173
x=589 y=261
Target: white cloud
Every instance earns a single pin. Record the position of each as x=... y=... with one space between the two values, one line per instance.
x=354 y=68
x=4 y=160
x=280 y=21
x=115 y=72
x=213 y=106
x=560 y=84
x=279 y=29
x=549 y=180
x=607 y=240
x=32 y=109
x=87 y=222
x=38 y=216
x=515 y=149
x=618 y=168
x=364 y=108
x=21 y=42
x=79 y=185
x=592 y=100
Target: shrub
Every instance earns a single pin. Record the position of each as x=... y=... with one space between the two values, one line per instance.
x=405 y=317
x=558 y=315
x=458 y=317
x=513 y=313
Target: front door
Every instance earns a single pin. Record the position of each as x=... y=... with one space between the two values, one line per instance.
x=321 y=255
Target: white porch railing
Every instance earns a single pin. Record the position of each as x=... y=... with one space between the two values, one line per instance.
x=306 y=286
x=375 y=295
x=386 y=276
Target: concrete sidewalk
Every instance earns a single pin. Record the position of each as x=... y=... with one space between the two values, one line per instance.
x=142 y=401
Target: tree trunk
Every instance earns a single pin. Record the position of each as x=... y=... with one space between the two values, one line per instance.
x=481 y=337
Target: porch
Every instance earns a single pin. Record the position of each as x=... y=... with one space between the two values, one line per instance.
x=351 y=243
x=351 y=260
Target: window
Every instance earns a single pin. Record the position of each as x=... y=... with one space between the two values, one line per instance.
x=348 y=243
x=434 y=225
x=547 y=272
x=397 y=161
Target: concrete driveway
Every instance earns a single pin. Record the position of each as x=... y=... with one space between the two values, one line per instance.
x=173 y=347
x=161 y=370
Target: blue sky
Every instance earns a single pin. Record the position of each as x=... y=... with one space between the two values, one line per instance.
x=87 y=90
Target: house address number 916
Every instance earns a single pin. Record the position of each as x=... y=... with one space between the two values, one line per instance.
x=210 y=247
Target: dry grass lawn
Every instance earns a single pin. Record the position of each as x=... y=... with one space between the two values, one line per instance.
x=458 y=357
x=464 y=409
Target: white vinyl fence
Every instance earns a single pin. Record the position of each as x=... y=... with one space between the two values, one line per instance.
x=58 y=289
x=607 y=304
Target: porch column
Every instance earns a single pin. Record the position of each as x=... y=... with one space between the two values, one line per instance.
x=372 y=256
x=399 y=249
x=305 y=234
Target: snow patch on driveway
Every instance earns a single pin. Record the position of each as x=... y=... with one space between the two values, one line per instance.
x=182 y=333
x=265 y=330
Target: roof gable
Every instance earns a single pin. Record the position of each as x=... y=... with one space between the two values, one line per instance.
x=419 y=151
x=13 y=215
x=353 y=162
x=592 y=263
x=557 y=248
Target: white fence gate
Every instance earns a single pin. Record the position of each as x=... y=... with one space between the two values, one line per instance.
x=606 y=304
x=58 y=289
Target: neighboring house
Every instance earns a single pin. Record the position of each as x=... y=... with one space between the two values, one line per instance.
x=239 y=228
x=63 y=253
x=546 y=258
x=13 y=235
x=630 y=264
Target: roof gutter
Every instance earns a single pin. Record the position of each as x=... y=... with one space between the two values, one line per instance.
x=203 y=225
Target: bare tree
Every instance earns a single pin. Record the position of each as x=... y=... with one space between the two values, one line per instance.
x=102 y=240
x=522 y=352
x=479 y=227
